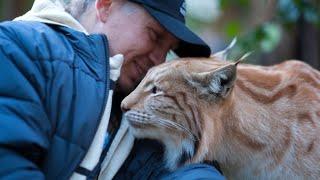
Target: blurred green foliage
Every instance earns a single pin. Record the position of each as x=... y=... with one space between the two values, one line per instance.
x=289 y=11
x=264 y=37
x=224 y=4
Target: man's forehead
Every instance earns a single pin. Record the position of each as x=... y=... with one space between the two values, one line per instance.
x=132 y=8
x=164 y=32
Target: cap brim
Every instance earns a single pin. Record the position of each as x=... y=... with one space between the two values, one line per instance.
x=190 y=44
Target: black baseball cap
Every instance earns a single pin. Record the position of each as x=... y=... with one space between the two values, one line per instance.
x=171 y=15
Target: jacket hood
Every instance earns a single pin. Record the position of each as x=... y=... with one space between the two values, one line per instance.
x=48 y=12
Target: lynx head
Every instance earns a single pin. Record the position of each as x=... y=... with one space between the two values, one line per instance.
x=179 y=103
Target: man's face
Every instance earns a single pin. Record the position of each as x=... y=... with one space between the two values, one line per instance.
x=144 y=43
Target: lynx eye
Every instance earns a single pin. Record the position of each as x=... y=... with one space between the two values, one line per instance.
x=154 y=90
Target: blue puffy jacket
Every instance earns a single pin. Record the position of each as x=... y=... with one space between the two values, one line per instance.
x=54 y=83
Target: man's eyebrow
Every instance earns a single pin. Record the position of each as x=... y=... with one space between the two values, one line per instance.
x=159 y=32
x=156 y=25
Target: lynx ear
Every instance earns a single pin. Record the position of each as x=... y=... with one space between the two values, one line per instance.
x=216 y=83
x=222 y=55
x=243 y=57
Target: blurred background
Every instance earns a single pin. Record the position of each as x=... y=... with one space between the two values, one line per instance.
x=275 y=30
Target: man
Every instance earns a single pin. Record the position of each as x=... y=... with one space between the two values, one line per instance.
x=57 y=79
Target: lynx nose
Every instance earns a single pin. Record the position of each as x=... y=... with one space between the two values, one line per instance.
x=124 y=107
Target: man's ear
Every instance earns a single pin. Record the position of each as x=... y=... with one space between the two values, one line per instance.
x=103 y=7
x=216 y=83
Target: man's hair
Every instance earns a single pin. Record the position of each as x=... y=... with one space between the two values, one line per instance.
x=74 y=7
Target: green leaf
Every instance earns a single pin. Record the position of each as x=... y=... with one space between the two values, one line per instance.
x=233 y=28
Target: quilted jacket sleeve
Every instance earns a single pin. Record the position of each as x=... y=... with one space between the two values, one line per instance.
x=24 y=126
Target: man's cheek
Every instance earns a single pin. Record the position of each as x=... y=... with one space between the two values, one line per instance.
x=128 y=79
x=125 y=84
